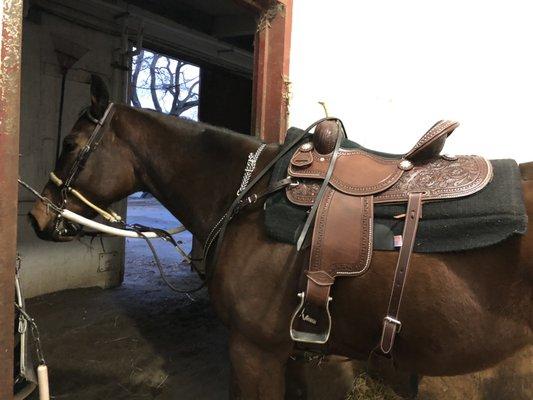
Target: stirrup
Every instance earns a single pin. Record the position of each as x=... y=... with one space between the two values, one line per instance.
x=300 y=317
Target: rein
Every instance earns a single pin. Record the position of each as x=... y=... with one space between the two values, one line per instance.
x=108 y=215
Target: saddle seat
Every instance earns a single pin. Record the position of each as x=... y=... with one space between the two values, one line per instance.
x=341 y=186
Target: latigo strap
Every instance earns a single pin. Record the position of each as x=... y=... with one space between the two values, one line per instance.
x=391 y=323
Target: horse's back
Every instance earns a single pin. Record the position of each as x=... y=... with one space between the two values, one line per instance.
x=526 y=169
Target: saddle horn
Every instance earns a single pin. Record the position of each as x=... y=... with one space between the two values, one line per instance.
x=325 y=136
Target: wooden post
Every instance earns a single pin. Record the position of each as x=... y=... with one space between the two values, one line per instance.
x=10 y=55
x=271 y=72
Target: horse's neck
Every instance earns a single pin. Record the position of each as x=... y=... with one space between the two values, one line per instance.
x=194 y=170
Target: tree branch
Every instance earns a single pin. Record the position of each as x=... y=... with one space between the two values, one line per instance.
x=186 y=106
x=191 y=93
x=134 y=98
x=153 y=90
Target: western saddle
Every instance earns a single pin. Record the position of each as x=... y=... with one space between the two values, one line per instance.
x=342 y=186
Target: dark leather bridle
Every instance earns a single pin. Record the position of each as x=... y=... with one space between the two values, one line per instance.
x=66 y=186
x=86 y=151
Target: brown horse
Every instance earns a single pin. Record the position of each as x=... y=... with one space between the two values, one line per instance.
x=461 y=312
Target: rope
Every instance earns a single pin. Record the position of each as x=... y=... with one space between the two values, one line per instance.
x=162 y=272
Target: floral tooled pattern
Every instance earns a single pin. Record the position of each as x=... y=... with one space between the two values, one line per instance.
x=442 y=178
x=438 y=179
x=305 y=193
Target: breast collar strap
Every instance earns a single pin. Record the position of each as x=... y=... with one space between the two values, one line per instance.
x=217 y=233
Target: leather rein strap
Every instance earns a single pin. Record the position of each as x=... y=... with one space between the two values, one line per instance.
x=323 y=187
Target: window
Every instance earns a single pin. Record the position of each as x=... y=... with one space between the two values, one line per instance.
x=165 y=84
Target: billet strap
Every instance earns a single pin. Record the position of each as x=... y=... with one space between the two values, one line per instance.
x=391 y=323
x=231 y=212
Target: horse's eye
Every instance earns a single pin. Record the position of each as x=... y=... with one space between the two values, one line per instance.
x=69 y=145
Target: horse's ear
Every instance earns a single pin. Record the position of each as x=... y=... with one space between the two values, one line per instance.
x=99 y=96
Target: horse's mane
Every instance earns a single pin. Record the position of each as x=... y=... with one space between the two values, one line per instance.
x=176 y=122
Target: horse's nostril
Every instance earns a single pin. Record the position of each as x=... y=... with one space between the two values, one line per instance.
x=33 y=222
x=41 y=232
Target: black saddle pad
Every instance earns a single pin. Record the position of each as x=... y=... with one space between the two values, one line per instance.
x=483 y=219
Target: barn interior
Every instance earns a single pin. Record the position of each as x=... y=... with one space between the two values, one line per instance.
x=110 y=328
x=130 y=333
x=70 y=40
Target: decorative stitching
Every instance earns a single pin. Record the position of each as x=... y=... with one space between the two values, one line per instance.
x=396 y=193
x=437 y=129
x=315 y=173
x=316 y=259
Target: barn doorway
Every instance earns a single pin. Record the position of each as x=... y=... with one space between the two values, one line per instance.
x=171 y=86
x=180 y=88
x=137 y=340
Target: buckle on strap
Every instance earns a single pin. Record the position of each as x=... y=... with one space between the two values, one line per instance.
x=391 y=327
x=393 y=321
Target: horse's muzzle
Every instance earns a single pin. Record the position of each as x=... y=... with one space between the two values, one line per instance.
x=46 y=225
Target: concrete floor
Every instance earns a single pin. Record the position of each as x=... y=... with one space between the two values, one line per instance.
x=137 y=341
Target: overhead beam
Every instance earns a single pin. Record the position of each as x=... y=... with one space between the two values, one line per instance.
x=159 y=32
x=257 y=6
x=10 y=54
x=226 y=26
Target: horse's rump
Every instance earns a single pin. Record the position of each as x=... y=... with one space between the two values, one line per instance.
x=526 y=170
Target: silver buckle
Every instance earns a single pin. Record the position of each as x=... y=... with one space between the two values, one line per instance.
x=294 y=183
x=395 y=322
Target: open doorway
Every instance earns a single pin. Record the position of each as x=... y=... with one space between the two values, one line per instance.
x=198 y=91
x=171 y=86
x=140 y=338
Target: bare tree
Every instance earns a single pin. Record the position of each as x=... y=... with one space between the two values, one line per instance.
x=165 y=82
x=137 y=64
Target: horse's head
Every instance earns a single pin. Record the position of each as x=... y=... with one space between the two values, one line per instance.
x=94 y=161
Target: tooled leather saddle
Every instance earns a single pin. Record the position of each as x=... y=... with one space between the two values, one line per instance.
x=341 y=186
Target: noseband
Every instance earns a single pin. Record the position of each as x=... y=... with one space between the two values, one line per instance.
x=65 y=187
